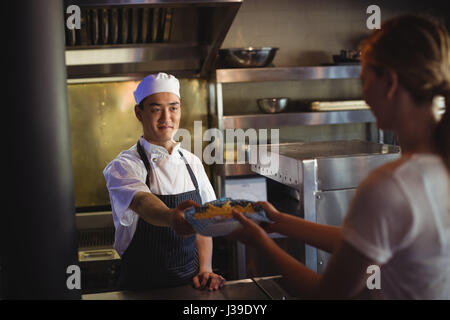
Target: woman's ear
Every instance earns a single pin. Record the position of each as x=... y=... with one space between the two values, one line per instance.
x=138 y=112
x=392 y=83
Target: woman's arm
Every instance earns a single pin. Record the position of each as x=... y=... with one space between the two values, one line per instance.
x=344 y=277
x=321 y=236
x=346 y=274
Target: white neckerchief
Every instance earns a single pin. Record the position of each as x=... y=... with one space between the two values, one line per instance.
x=158 y=152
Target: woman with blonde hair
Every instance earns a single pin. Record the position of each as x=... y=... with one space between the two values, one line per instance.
x=399 y=219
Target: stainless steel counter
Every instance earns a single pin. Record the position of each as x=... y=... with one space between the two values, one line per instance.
x=266 y=288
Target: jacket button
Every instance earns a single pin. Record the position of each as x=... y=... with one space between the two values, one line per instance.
x=154 y=159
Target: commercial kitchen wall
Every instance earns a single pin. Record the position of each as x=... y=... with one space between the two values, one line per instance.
x=103 y=123
x=308 y=33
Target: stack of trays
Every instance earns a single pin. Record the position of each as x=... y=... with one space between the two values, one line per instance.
x=339 y=105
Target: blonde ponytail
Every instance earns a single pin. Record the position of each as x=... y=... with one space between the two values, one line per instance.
x=417 y=48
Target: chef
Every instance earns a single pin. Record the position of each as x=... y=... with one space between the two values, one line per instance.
x=149 y=186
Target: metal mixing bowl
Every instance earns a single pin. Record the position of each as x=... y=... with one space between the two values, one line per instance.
x=247 y=57
x=272 y=105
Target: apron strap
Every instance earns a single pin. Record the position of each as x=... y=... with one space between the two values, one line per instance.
x=144 y=158
x=191 y=173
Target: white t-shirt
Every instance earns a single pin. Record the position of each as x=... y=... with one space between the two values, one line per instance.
x=126 y=175
x=400 y=218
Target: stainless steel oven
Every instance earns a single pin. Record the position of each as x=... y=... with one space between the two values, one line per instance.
x=319 y=180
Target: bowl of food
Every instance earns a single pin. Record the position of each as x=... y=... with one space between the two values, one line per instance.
x=249 y=57
x=272 y=105
x=215 y=218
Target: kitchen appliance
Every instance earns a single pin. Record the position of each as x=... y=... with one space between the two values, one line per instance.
x=98 y=260
x=322 y=177
x=272 y=105
x=248 y=188
x=132 y=38
x=136 y=24
x=247 y=57
x=253 y=188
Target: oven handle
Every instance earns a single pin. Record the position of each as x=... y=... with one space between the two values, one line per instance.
x=97 y=254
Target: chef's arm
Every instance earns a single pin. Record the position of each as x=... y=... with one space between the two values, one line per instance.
x=150 y=208
x=204 y=248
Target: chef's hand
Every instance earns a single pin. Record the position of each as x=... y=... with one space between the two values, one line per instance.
x=179 y=223
x=250 y=233
x=208 y=279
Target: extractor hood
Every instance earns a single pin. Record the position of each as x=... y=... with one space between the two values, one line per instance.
x=128 y=39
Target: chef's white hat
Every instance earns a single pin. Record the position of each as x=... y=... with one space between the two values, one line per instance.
x=154 y=83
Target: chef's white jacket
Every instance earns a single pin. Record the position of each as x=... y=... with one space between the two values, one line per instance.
x=126 y=175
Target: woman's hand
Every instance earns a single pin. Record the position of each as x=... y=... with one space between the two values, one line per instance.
x=250 y=233
x=208 y=279
x=273 y=214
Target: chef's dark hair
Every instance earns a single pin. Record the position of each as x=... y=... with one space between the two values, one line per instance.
x=417 y=48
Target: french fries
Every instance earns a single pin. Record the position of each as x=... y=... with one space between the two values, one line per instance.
x=225 y=211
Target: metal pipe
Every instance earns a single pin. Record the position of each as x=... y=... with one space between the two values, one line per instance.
x=38 y=227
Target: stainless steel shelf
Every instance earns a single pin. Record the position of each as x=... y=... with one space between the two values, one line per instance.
x=260 y=121
x=284 y=74
x=83 y=62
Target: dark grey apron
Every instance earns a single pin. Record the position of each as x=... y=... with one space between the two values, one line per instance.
x=157 y=257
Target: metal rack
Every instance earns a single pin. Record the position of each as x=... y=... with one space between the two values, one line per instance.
x=224 y=76
x=268 y=121
x=124 y=40
x=286 y=74
x=257 y=121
